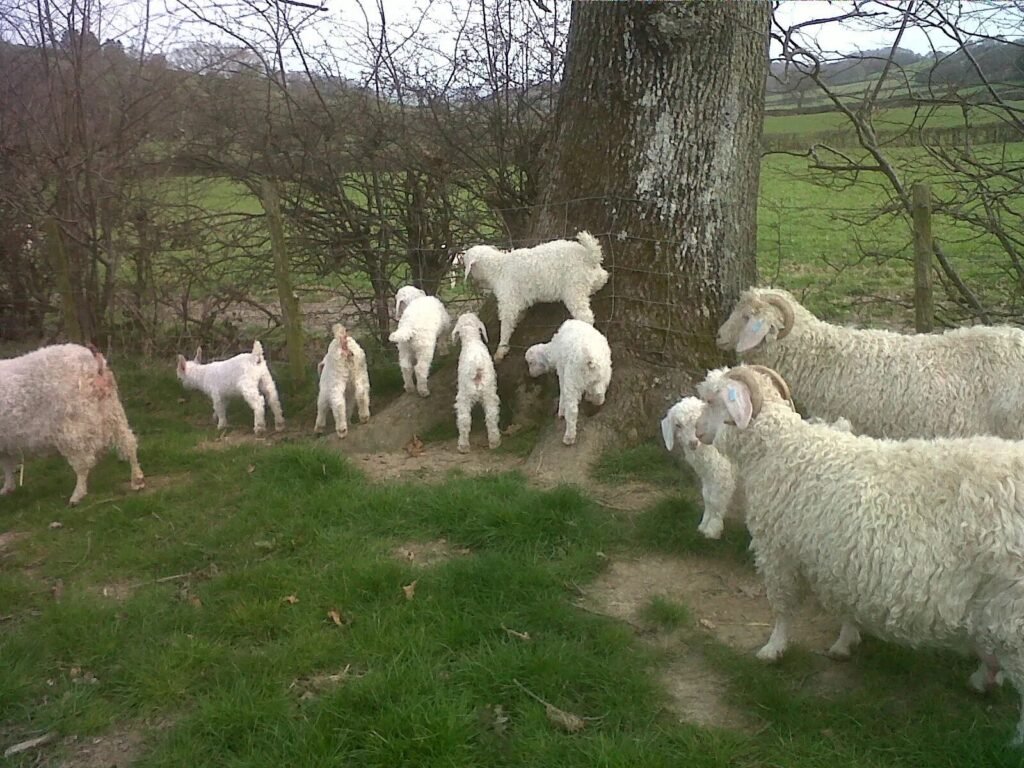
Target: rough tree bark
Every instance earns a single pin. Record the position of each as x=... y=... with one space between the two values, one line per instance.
x=656 y=150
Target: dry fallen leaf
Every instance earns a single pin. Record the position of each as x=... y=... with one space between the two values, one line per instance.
x=567 y=721
x=511 y=429
x=57 y=590
x=335 y=615
x=290 y=599
x=410 y=589
x=55 y=525
x=414 y=447
x=195 y=602
x=251 y=468
x=494 y=717
x=707 y=623
x=521 y=635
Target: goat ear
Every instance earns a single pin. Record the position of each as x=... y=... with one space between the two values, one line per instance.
x=469 y=265
x=399 y=307
x=455 y=334
x=199 y=355
x=320 y=368
x=737 y=403
x=753 y=333
x=181 y=363
x=483 y=330
x=668 y=432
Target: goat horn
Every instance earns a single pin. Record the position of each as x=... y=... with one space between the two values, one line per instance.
x=744 y=375
x=781 y=304
x=777 y=380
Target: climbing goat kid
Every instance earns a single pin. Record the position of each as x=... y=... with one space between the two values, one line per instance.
x=478 y=382
x=343 y=366
x=560 y=270
x=423 y=324
x=580 y=354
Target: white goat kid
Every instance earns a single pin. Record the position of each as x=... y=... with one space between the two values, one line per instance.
x=560 y=270
x=245 y=375
x=717 y=479
x=915 y=541
x=478 y=383
x=580 y=354
x=423 y=324
x=63 y=399
x=343 y=367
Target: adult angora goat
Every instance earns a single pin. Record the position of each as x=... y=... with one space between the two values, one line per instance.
x=964 y=382
x=920 y=542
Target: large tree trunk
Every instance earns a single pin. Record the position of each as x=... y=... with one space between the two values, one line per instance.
x=656 y=151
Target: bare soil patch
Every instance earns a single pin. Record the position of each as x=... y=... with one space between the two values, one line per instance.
x=434 y=464
x=117 y=748
x=9 y=538
x=424 y=554
x=727 y=603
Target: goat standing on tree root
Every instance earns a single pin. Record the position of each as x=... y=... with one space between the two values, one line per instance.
x=583 y=360
x=63 y=398
x=560 y=270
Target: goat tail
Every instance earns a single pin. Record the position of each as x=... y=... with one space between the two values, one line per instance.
x=402 y=334
x=338 y=331
x=101 y=361
x=257 y=352
x=592 y=245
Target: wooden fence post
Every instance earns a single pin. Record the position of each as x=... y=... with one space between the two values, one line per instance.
x=282 y=272
x=924 y=308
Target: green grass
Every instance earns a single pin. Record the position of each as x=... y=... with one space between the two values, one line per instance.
x=199 y=633
x=824 y=238
x=665 y=613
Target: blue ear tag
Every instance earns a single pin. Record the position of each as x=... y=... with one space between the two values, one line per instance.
x=732 y=394
x=758 y=325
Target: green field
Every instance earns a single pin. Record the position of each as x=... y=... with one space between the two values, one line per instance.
x=256 y=606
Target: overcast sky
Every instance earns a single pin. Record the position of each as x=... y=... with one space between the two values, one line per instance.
x=173 y=24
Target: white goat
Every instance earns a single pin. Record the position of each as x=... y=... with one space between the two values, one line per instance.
x=964 y=382
x=581 y=356
x=423 y=323
x=245 y=375
x=63 y=399
x=717 y=480
x=918 y=542
x=478 y=383
x=722 y=497
x=560 y=270
x=343 y=365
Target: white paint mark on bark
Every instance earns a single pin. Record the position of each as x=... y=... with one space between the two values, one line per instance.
x=655 y=177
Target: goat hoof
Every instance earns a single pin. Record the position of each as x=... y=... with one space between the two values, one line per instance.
x=424 y=392
x=569 y=440
x=342 y=434
x=138 y=483
x=463 y=449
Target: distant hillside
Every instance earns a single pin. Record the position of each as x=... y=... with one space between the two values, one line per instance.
x=789 y=92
